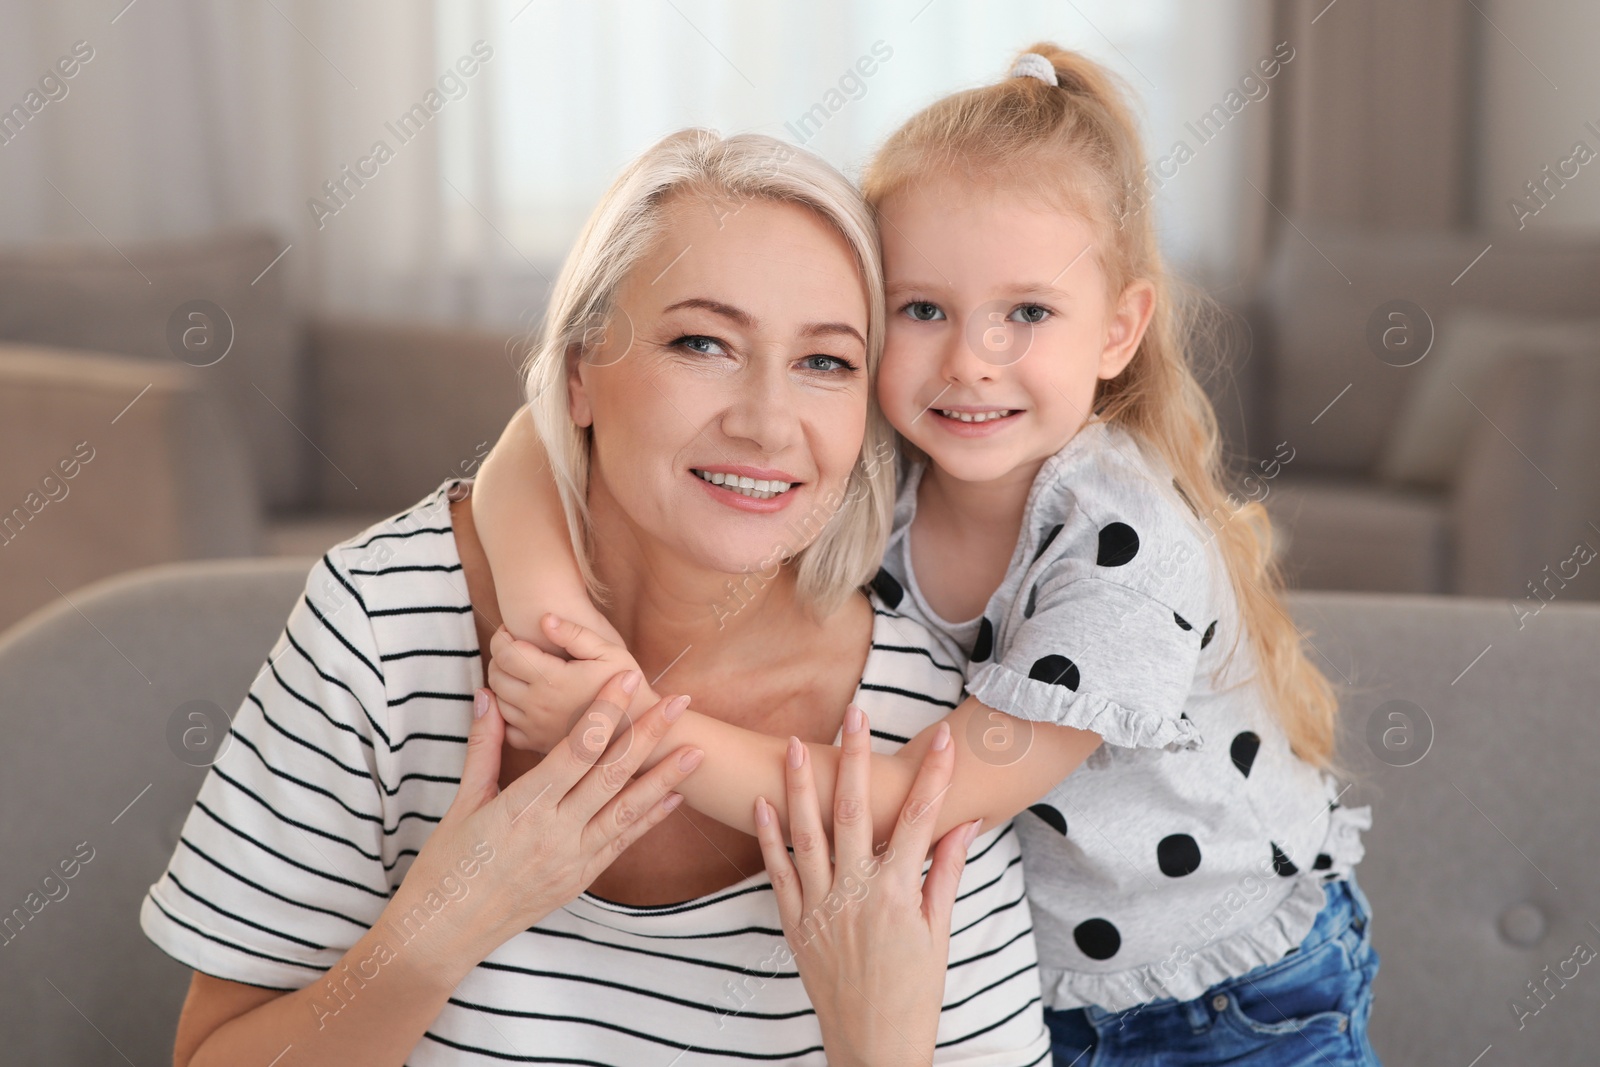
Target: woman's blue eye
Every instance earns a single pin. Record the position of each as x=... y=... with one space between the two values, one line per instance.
x=698 y=343
x=827 y=363
x=923 y=311
x=1030 y=314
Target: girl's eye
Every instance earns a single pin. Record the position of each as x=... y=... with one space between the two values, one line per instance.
x=923 y=311
x=1030 y=314
x=700 y=344
x=827 y=363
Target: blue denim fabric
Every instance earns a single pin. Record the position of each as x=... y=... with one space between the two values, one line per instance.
x=1309 y=1009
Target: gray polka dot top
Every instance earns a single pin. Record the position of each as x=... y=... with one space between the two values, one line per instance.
x=1192 y=845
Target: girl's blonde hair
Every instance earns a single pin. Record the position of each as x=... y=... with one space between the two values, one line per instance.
x=1077 y=145
x=727 y=172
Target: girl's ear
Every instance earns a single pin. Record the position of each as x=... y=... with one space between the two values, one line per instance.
x=578 y=405
x=1129 y=320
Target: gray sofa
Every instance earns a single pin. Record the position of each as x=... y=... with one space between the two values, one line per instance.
x=301 y=433
x=1524 y=486
x=1480 y=864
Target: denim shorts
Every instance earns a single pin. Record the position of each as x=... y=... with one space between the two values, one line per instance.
x=1310 y=1008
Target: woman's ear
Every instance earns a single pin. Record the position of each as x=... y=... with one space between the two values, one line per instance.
x=1129 y=320
x=578 y=406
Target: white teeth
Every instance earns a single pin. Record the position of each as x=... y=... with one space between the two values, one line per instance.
x=980 y=416
x=757 y=489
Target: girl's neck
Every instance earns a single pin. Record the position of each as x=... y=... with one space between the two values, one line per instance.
x=991 y=510
x=662 y=604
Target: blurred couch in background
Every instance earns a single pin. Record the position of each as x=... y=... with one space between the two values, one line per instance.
x=1451 y=450
x=134 y=433
x=1455 y=450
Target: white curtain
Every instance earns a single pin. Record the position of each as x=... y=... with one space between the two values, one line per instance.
x=193 y=116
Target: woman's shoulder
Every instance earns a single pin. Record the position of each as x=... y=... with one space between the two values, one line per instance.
x=910 y=681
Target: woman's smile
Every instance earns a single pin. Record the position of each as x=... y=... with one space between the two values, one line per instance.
x=753 y=489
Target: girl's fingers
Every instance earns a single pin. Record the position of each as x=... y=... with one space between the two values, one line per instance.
x=480 y=773
x=913 y=831
x=526 y=662
x=580 y=642
x=623 y=756
x=785 y=879
x=944 y=877
x=806 y=835
x=566 y=764
x=852 y=794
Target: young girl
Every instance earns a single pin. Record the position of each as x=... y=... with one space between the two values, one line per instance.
x=1062 y=526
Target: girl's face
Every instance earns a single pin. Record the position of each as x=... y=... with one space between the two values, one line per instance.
x=735 y=354
x=1000 y=326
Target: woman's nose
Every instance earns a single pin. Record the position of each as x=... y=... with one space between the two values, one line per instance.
x=764 y=409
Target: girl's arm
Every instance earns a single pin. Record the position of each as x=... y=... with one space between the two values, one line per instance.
x=521 y=524
x=1003 y=764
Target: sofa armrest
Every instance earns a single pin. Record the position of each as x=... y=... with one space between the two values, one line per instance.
x=396 y=410
x=1527 y=491
x=107 y=464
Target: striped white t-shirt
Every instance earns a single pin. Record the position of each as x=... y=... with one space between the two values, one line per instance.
x=348 y=750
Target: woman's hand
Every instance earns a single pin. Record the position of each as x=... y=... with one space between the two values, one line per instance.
x=870 y=936
x=541 y=695
x=523 y=852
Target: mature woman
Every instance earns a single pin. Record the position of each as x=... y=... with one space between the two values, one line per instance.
x=374 y=875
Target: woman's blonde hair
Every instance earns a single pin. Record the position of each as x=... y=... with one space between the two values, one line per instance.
x=623 y=228
x=1076 y=144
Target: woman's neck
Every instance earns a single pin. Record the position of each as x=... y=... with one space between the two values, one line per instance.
x=662 y=605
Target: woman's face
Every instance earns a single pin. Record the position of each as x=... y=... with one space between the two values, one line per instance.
x=735 y=354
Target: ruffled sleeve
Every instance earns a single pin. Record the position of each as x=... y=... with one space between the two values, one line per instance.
x=1096 y=655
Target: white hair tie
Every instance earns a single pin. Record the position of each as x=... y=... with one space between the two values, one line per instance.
x=1033 y=65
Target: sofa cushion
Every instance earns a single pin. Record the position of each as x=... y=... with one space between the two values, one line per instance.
x=89 y=296
x=1428 y=438
x=398 y=409
x=1353 y=536
x=1321 y=293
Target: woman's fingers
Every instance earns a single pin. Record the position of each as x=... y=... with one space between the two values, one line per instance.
x=852 y=799
x=944 y=877
x=637 y=809
x=785 y=879
x=579 y=642
x=566 y=764
x=480 y=772
x=913 y=831
x=806 y=835
x=622 y=757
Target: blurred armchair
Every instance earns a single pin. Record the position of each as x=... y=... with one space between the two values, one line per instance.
x=301 y=434
x=1518 y=482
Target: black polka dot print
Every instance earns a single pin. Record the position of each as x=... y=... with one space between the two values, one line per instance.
x=1057 y=821
x=1044 y=542
x=983 y=646
x=1243 y=750
x=1282 y=864
x=1178 y=855
x=1211 y=631
x=888 y=589
x=1323 y=862
x=1057 y=670
x=1183 y=623
x=1033 y=602
x=1097 y=938
x=1118 y=545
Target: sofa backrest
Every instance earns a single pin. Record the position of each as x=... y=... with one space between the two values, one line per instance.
x=1322 y=290
x=92 y=296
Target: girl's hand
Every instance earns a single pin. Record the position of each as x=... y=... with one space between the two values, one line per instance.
x=534 y=847
x=541 y=695
x=870 y=936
